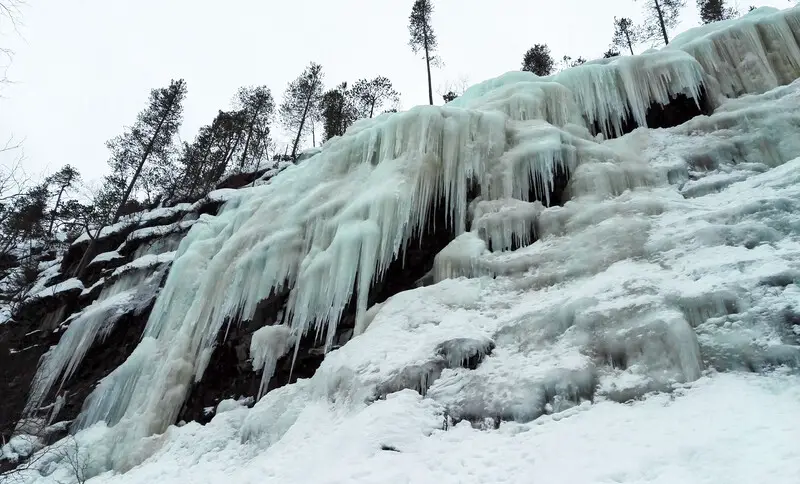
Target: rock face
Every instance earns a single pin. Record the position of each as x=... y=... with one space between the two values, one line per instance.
x=229 y=374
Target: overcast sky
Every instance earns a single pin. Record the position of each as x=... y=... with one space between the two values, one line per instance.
x=83 y=69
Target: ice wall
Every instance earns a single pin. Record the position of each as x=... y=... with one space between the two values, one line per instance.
x=752 y=54
x=329 y=227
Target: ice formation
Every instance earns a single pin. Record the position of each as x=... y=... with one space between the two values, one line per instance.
x=608 y=302
x=131 y=292
x=268 y=344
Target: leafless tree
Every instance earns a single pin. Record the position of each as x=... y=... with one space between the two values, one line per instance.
x=10 y=14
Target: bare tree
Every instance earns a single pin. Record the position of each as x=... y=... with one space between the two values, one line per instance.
x=453 y=88
x=10 y=14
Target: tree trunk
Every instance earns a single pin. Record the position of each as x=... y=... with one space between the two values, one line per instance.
x=661 y=22
x=55 y=211
x=628 y=38
x=372 y=106
x=303 y=121
x=428 y=63
x=249 y=136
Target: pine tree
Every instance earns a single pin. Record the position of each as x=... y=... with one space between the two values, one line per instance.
x=661 y=15
x=142 y=155
x=715 y=10
x=63 y=179
x=423 y=38
x=301 y=99
x=625 y=34
x=371 y=95
x=206 y=160
x=538 y=60
x=338 y=111
x=256 y=107
x=612 y=52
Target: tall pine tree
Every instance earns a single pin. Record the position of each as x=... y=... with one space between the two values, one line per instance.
x=625 y=34
x=142 y=154
x=300 y=102
x=423 y=39
x=661 y=15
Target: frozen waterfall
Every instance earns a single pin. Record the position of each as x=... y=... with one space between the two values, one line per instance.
x=327 y=229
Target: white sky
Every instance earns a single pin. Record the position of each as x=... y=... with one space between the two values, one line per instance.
x=83 y=69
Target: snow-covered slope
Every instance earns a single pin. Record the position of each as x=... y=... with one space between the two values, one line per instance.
x=677 y=255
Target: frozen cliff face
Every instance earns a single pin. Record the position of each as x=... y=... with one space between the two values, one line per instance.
x=675 y=252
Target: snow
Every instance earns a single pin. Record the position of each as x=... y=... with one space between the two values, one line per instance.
x=144 y=262
x=106 y=257
x=675 y=256
x=733 y=428
x=138 y=218
x=66 y=286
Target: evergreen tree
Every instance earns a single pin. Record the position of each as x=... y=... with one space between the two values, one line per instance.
x=625 y=34
x=206 y=160
x=141 y=156
x=538 y=60
x=423 y=39
x=661 y=15
x=301 y=99
x=62 y=180
x=371 y=95
x=612 y=52
x=256 y=108
x=715 y=10
x=338 y=111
